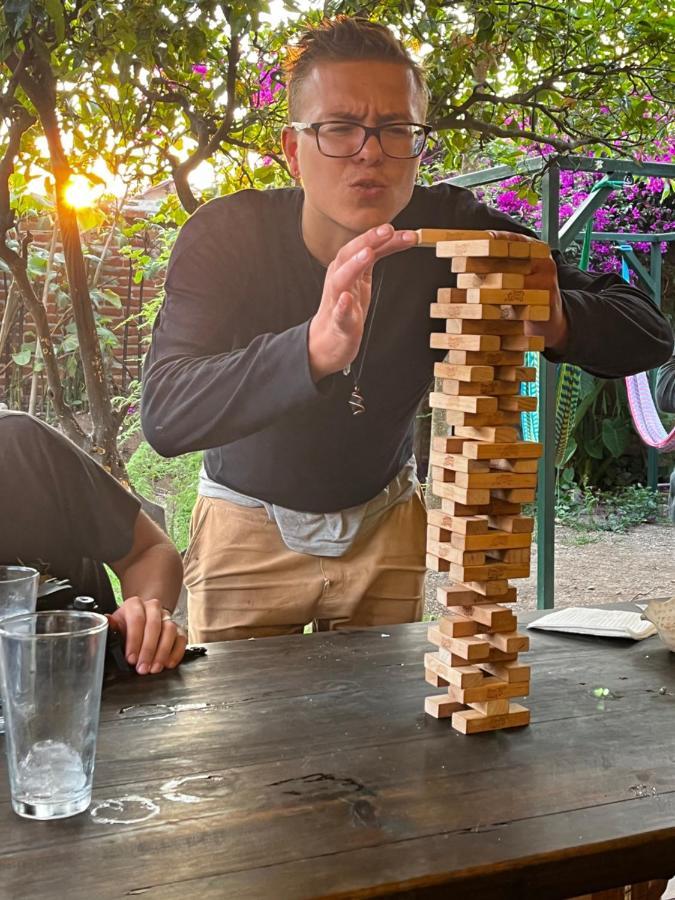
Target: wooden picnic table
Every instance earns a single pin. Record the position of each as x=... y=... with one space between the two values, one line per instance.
x=304 y=766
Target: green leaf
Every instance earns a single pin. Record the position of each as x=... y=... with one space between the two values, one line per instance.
x=54 y=9
x=22 y=358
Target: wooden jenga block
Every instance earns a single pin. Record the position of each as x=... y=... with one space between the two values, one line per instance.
x=438 y=473
x=461 y=596
x=525 y=466
x=515 y=373
x=497 y=297
x=517 y=495
x=501 y=449
x=471 y=525
x=491 y=689
x=530 y=343
x=514 y=642
x=490 y=707
x=532 y=313
x=512 y=524
x=488 y=572
x=494 y=479
x=461 y=495
x=450 y=295
x=440 y=706
x=496 y=507
x=481 y=420
x=433 y=679
x=434 y=533
x=463 y=676
x=510 y=554
x=458 y=310
x=495 y=656
x=469 y=648
x=499 y=435
x=519 y=249
x=497 y=591
x=515 y=403
x=475 y=343
x=480 y=388
x=457 y=626
x=487 y=358
x=506 y=327
x=539 y=250
x=429 y=237
x=494 y=616
x=446 y=444
x=483 y=266
x=464 y=373
x=474 y=248
x=458 y=463
x=470 y=721
x=499 y=280
x=436 y=564
x=461 y=403
x=445 y=550
x=508 y=671
x=489 y=540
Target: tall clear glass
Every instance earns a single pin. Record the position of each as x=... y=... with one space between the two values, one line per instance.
x=18 y=594
x=52 y=670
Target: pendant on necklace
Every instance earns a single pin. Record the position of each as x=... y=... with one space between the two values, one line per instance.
x=356 y=402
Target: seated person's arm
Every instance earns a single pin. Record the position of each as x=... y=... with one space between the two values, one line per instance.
x=665 y=386
x=151 y=575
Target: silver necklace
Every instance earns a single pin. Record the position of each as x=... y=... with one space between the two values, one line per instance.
x=356 y=402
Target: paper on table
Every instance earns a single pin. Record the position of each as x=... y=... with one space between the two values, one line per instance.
x=599 y=622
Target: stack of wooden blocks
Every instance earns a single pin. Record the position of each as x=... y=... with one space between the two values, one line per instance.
x=483 y=473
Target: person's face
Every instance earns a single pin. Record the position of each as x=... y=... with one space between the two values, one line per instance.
x=352 y=194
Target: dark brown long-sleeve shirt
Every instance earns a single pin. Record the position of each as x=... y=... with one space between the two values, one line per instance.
x=228 y=368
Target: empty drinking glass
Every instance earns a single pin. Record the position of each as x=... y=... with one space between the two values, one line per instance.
x=18 y=594
x=52 y=669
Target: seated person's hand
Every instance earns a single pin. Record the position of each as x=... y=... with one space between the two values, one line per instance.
x=152 y=641
x=544 y=277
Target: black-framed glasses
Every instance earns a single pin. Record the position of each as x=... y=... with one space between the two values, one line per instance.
x=339 y=139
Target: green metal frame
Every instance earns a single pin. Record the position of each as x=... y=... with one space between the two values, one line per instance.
x=561 y=237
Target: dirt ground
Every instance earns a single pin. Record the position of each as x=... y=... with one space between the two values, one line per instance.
x=597 y=567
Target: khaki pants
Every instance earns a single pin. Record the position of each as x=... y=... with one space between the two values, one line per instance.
x=244 y=582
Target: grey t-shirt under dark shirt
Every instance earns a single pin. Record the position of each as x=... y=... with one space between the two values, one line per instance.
x=228 y=369
x=60 y=511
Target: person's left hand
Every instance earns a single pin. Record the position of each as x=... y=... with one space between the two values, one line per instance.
x=544 y=277
x=152 y=641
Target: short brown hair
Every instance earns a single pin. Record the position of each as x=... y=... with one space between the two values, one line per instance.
x=346 y=39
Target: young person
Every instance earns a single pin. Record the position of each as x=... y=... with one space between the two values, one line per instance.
x=63 y=514
x=287 y=311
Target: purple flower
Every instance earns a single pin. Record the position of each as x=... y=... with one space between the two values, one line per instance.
x=200 y=69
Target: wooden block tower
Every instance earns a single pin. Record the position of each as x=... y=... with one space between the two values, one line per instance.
x=482 y=472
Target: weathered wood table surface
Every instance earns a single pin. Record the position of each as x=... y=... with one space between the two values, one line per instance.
x=304 y=766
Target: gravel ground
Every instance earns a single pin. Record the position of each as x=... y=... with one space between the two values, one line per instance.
x=597 y=567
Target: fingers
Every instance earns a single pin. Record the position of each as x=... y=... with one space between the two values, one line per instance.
x=152 y=640
x=356 y=259
x=129 y=620
x=170 y=648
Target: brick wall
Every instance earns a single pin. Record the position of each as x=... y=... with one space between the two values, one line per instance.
x=117 y=275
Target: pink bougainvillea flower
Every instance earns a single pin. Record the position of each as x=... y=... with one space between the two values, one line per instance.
x=200 y=69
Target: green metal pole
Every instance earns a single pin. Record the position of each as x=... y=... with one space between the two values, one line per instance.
x=547 y=385
x=655 y=272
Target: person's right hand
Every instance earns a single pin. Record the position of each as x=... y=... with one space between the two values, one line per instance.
x=336 y=330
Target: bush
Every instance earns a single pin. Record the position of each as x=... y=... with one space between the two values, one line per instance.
x=170 y=482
